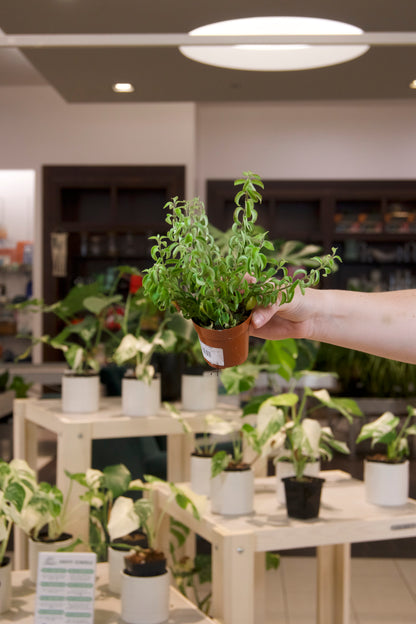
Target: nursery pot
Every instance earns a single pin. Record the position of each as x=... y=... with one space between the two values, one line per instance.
x=199 y=392
x=5 y=584
x=37 y=546
x=80 y=393
x=139 y=398
x=386 y=483
x=303 y=498
x=145 y=598
x=232 y=492
x=116 y=558
x=286 y=469
x=222 y=348
x=201 y=474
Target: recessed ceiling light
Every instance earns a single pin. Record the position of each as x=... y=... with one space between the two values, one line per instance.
x=275 y=57
x=123 y=87
x=412 y=85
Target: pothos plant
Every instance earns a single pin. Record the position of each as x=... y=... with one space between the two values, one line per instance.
x=17 y=485
x=387 y=431
x=300 y=439
x=209 y=284
x=82 y=315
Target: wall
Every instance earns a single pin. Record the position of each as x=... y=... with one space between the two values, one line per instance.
x=346 y=140
x=37 y=128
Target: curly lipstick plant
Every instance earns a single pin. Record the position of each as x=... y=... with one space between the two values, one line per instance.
x=209 y=285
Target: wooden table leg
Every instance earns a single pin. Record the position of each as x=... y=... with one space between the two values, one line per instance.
x=233 y=578
x=74 y=455
x=179 y=451
x=333 y=584
x=25 y=446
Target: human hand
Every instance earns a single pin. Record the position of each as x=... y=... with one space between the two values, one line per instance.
x=289 y=320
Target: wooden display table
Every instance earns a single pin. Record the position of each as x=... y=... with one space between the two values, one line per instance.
x=75 y=434
x=107 y=605
x=239 y=545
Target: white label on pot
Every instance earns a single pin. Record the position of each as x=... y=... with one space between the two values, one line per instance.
x=212 y=354
x=65 y=588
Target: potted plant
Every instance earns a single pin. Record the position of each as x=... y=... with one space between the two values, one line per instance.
x=46 y=519
x=145 y=579
x=232 y=477
x=386 y=473
x=300 y=442
x=17 y=484
x=82 y=313
x=210 y=287
x=141 y=389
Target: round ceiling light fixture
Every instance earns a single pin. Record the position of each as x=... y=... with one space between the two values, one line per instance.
x=285 y=57
x=123 y=87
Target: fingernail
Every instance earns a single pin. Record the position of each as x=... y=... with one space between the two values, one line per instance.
x=257 y=319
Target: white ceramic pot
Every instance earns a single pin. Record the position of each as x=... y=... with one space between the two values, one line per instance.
x=201 y=474
x=286 y=469
x=145 y=599
x=232 y=492
x=386 y=484
x=139 y=398
x=115 y=568
x=35 y=547
x=5 y=585
x=80 y=393
x=199 y=392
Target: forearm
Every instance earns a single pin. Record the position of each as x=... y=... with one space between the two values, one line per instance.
x=383 y=324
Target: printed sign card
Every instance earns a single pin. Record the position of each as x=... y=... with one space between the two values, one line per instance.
x=65 y=588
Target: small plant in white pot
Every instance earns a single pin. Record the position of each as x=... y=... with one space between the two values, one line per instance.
x=46 y=517
x=386 y=473
x=145 y=579
x=232 y=477
x=83 y=315
x=17 y=484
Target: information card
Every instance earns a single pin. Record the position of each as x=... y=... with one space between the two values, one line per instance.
x=65 y=588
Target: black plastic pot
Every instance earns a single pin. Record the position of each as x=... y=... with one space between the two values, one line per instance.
x=147 y=562
x=303 y=498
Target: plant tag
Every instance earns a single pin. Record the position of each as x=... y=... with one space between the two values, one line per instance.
x=212 y=354
x=65 y=588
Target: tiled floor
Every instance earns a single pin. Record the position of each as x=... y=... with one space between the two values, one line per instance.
x=383 y=591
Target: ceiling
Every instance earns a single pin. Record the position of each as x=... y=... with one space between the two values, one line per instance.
x=162 y=74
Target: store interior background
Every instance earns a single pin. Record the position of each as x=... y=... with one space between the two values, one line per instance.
x=357 y=139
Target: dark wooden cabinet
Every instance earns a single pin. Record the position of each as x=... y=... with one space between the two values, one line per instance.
x=107 y=214
x=372 y=223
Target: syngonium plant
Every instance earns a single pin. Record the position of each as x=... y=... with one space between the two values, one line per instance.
x=209 y=284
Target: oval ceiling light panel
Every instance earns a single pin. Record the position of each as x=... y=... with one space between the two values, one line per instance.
x=285 y=57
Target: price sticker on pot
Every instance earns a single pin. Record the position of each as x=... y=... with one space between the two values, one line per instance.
x=65 y=588
x=212 y=354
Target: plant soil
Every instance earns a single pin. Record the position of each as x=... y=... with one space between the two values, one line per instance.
x=237 y=467
x=380 y=457
x=145 y=562
x=43 y=537
x=135 y=538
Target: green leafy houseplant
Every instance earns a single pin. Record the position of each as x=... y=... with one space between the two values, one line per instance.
x=209 y=284
x=301 y=439
x=83 y=315
x=387 y=431
x=17 y=485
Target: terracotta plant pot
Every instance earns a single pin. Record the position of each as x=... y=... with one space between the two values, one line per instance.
x=303 y=498
x=223 y=348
